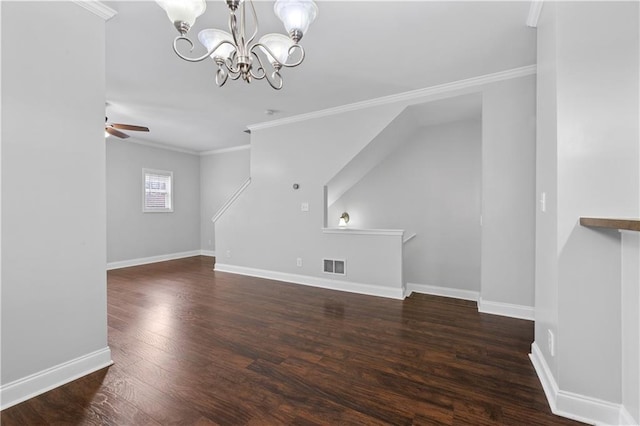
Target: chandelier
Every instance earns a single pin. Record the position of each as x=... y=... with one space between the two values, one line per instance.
x=235 y=52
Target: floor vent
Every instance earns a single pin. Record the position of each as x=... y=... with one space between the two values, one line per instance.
x=333 y=266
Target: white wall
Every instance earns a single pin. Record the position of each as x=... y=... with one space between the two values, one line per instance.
x=53 y=197
x=631 y=323
x=429 y=186
x=508 y=195
x=546 y=272
x=597 y=90
x=589 y=51
x=132 y=234
x=221 y=174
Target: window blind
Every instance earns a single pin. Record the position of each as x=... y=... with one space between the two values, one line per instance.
x=157 y=191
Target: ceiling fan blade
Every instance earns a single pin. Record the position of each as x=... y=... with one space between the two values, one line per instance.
x=130 y=127
x=115 y=132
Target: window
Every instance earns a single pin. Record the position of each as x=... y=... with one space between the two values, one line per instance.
x=157 y=191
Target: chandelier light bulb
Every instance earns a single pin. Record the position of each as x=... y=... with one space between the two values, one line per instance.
x=296 y=15
x=279 y=45
x=183 y=13
x=210 y=38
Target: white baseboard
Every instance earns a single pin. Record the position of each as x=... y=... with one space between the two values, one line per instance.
x=209 y=253
x=626 y=419
x=351 y=287
x=484 y=306
x=443 y=291
x=571 y=405
x=506 y=309
x=22 y=389
x=153 y=259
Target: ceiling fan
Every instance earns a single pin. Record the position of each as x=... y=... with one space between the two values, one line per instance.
x=112 y=129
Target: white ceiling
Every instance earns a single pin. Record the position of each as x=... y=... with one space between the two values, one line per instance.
x=356 y=50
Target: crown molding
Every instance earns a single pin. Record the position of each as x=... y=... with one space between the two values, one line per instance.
x=155 y=145
x=534 y=13
x=403 y=97
x=225 y=150
x=97 y=8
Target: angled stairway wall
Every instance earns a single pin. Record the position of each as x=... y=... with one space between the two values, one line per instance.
x=429 y=186
x=276 y=231
x=266 y=230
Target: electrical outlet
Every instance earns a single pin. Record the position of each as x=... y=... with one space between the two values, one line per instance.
x=304 y=207
x=299 y=262
x=551 y=343
x=228 y=253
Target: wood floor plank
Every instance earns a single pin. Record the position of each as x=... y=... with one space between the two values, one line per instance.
x=196 y=347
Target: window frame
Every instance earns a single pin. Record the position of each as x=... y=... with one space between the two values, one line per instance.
x=156 y=172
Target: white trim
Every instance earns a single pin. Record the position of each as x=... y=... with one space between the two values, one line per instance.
x=405 y=96
x=97 y=8
x=626 y=418
x=356 y=231
x=409 y=238
x=35 y=384
x=549 y=385
x=154 y=145
x=434 y=290
x=506 y=309
x=152 y=259
x=231 y=200
x=534 y=13
x=209 y=253
x=571 y=405
x=351 y=287
x=225 y=150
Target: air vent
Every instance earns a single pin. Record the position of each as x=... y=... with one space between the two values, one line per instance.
x=334 y=266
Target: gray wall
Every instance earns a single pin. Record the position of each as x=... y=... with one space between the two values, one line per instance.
x=53 y=195
x=546 y=277
x=429 y=186
x=221 y=174
x=588 y=59
x=508 y=192
x=265 y=229
x=132 y=234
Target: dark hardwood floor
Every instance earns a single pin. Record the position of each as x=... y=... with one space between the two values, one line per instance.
x=192 y=346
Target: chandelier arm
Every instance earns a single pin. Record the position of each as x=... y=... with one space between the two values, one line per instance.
x=234 y=72
x=291 y=49
x=255 y=21
x=242 y=28
x=260 y=70
x=221 y=76
x=275 y=80
x=199 y=58
x=281 y=64
x=233 y=27
x=229 y=63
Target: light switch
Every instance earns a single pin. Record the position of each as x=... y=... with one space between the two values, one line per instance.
x=304 y=207
x=543 y=202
